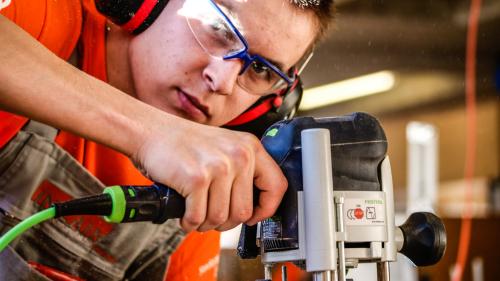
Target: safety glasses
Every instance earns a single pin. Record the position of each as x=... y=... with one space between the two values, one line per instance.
x=221 y=39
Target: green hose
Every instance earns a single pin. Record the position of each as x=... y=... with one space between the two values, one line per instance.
x=25 y=225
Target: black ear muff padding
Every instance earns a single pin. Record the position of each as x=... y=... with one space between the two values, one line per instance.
x=119 y=12
x=122 y=12
x=287 y=109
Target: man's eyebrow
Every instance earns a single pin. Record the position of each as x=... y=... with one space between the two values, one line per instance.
x=228 y=8
x=279 y=65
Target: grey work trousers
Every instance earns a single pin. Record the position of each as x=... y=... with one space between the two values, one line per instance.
x=34 y=171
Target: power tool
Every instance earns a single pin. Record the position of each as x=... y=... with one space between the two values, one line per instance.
x=338 y=210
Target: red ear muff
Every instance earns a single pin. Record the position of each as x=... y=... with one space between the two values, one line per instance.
x=266 y=104
x=132 y=15
x=260 y=108
x=140 y=16
x=268 y=110
x=277 y=101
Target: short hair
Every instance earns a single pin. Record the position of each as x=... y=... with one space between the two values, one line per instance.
x=324 y=10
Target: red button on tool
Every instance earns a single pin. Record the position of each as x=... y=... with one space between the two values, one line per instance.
x=358 y=213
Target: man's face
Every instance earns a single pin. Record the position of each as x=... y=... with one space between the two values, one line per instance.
x=172 y=72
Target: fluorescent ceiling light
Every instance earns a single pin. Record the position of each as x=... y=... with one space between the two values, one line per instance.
x=348 y=89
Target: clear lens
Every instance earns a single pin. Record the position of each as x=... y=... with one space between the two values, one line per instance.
x=212 y=31
x=216 y=36
x=261 y=79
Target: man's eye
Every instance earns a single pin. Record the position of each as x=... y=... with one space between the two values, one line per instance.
x=217 y=26
x=262 y=70
x=222 y=31
x=259 y=67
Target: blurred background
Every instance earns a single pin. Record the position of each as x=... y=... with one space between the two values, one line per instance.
x=404 y=62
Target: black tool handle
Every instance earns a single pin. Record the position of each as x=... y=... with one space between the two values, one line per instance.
x=247 y=244
x=155 y=203
x=424 y=238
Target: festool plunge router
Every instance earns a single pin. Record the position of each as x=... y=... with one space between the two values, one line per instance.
x=338 y=210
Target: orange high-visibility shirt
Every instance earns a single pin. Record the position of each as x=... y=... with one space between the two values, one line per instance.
x=59 y=26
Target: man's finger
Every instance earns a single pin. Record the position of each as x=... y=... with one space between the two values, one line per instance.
x=196 y=209
x=219 y=196
x=241 y=208
x=272 y=184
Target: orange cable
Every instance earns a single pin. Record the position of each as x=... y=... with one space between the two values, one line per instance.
x=470 y=145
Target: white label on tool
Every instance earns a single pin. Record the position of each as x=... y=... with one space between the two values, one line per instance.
x=359 y=211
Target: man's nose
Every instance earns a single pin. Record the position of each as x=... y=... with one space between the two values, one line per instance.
x=221 y=75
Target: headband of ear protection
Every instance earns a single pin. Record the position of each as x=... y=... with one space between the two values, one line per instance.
x=137 y=15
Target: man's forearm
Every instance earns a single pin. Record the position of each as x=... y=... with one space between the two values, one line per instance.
x=36 y=83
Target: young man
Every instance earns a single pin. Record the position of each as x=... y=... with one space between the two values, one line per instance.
x=176 y=71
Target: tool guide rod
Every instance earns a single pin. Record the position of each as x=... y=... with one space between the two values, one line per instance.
x=318 y=203
x=339 y=203
x=322 y=276
x=268 y=271
x=383 y=271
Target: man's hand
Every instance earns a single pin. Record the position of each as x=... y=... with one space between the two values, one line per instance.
x=215 y=170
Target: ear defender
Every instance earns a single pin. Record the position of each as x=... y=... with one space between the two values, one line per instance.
x=269 y=110
x=136 y=16
x=132 y=15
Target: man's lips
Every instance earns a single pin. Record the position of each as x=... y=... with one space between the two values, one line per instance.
x=192 y=105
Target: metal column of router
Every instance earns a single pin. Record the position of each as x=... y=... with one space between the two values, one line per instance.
x=319 y=208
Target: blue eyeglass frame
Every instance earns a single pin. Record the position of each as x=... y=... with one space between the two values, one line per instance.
x=245 y=56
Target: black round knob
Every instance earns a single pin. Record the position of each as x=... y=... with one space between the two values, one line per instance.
x=424 y=238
